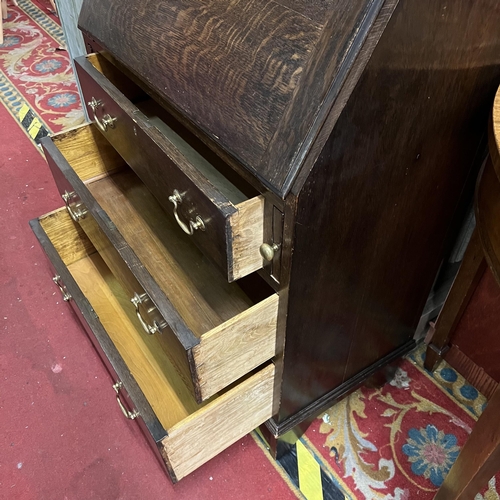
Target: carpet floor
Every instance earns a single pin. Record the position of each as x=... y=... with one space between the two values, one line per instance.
x=62 y=436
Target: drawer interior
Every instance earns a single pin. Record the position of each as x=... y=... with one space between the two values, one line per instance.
x=150 y=366
x=234 y=324
x=173 y=403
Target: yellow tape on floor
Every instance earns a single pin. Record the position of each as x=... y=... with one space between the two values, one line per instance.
x=309 y=474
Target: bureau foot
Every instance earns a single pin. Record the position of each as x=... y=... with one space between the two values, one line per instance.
x=280 y=446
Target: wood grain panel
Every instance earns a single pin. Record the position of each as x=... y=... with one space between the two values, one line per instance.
x=236 y=347
x=205 y=433
x=67 y=237
x=247 y=227
x=324 y=74
x=88 y=151
x=246 y=57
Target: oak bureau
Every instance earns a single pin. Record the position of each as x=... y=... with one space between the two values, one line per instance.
x=255 y=219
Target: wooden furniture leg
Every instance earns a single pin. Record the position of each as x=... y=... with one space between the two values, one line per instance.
x=479 y=459
x=469 y=274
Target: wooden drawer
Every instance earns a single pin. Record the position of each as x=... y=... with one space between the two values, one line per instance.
x=222 y=220
x=214 y=332
x=148 y=388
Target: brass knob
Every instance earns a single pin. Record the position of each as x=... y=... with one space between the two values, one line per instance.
x=267 y=251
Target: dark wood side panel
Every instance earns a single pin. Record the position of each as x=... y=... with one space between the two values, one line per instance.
x=377 y=213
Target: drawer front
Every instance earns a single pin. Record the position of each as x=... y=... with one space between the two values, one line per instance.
x=218 y=355
x=208 y=429
x=230 y=236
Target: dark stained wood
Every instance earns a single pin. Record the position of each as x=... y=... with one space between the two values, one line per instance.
x=243 y=59
x=302 y=418
x=168 y=341
x=466 y=281
x=314 y=97
x=479 y=459
x=367 y=239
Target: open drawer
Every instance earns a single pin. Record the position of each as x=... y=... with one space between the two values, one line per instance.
x=224 y=220
x=214 y=332
x=148 y=388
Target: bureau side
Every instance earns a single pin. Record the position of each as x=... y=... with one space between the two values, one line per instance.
x=369 y=227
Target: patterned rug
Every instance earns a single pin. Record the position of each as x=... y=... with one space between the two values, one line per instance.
x=36 y=79
x=398 y=442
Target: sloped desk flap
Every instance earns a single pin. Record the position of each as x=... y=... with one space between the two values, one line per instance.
x=251 y=74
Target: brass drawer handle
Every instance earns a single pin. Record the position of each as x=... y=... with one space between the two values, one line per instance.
x=176 y=199
x=150 y=330
x=65 y=294
x=107 y=119
x=78 y=212
x=131 y=415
